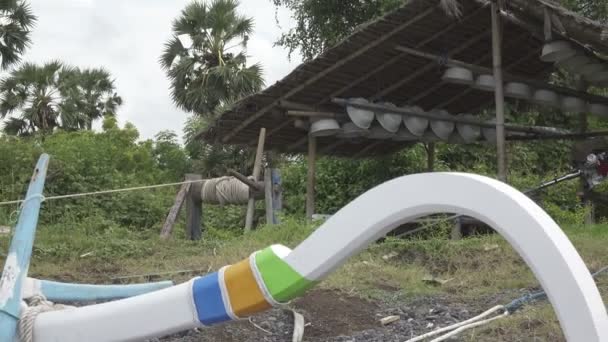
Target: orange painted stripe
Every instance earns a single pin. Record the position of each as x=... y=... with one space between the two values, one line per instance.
x=245 y=295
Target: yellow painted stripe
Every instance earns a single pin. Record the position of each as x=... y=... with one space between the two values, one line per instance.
x=245 y=295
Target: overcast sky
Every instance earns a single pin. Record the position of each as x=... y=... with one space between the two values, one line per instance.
x=127 y=36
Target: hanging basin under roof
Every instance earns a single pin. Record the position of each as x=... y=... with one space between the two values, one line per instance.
x=443 y=129
x=573 y=104
x=469 y=133
x=361 y=117
x=518 y=90
x=415 y=124
x=556 y=51
x=324 y=128
x=389 y=121
x=351 y=131
x=458 y=75
x=379 y=133
x=485 y=83
x=546 y=97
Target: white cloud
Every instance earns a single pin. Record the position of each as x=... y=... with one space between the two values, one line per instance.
x=127 y=37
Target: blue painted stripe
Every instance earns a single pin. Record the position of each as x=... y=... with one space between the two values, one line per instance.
x=65 y=292
x=208 y=300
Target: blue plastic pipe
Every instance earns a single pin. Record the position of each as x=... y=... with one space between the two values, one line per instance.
x=20 y=253
x=64 y=292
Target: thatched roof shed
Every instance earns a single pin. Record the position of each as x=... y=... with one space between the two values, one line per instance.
x=368 y=64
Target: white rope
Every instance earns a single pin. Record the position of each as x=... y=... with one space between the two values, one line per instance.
x=37 y=305
x=224 y=190
x=469 y=326
x=457 y=325
x=93 y=193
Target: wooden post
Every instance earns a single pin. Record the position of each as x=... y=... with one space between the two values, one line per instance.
x=501 y=146
x=257 y=166
x=457 y=229
x=310 y=184
x=430 y=157
x=177 y=206
x=194 y=209
x=277 y=194
x=268 y=197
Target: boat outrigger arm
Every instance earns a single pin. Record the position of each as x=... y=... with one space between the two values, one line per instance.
x=277 y=275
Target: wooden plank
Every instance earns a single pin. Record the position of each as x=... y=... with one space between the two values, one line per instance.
x=177 y=206
x=257 y=166
x=194 y=210
x=19 y=254
x=310 y=183
x=277 y=194
x=255 y=186
x=268 y=197
x=501 y=144
x=328 y=70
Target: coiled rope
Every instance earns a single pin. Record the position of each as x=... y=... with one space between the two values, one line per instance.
x=224 y=190
x=37 y=305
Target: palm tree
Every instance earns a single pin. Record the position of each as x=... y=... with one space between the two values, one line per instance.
x=44 y=98
x=16 y=20
x=90 y=92
x=201 y=61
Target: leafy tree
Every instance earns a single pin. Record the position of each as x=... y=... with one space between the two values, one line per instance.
x=322 y=23
x=201 y=61
x=16 y=20
x=43 y=98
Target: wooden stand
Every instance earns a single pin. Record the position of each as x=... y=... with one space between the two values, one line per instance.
x=177 y=206
x=194 y=209
x=257 y=166
x=501 y=146
x=310 y=184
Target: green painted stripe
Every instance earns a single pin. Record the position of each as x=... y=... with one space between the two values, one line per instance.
x=282 y=281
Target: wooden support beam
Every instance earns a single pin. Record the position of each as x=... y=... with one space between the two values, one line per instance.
x=430 y=157
x=255 y=186
x=284 y=124
x=400 y=56
x=257 y=167
x=510 y=77
x=389 y=90
x=328 y=70
x=501 y=144
x=312 y=114
x=194 y=209
x=560 y=136
x=310 y=183
x=277 y=194
x=177 y=206
x=268 y=197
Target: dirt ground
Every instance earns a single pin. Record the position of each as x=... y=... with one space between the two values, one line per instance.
x=337 y=317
